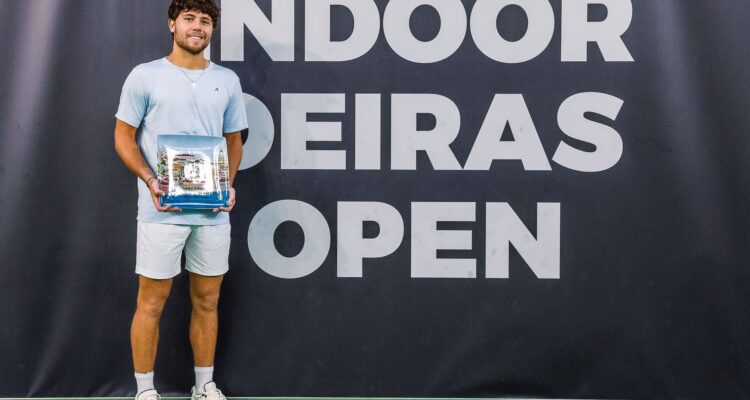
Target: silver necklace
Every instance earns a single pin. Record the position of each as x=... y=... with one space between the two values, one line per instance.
x=194 y=83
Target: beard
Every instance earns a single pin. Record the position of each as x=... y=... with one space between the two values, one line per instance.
x=183 y=42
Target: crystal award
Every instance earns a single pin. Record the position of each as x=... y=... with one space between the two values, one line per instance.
x=193 y=171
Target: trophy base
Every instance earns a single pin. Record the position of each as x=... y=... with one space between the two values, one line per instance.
x=196 y=202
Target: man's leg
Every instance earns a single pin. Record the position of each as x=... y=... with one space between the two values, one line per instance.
x=204 y=327
x=204 y=320
x=144 y=332
x=157 y=261
x=206 y=258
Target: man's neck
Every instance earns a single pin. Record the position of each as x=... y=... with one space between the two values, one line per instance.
x=184 y=59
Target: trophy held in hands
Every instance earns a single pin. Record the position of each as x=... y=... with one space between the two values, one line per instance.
x=193 y=171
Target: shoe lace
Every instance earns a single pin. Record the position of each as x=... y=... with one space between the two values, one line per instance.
x=214 y=394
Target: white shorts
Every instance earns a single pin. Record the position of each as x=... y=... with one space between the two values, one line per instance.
x=159 y=249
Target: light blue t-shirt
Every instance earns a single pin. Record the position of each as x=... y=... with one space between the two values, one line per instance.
x=158 y=98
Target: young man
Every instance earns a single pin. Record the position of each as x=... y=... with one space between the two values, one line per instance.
x=181 y=93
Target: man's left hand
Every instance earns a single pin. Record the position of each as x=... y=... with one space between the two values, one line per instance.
x=230 y=203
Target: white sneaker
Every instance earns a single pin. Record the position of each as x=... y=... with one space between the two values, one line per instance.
x=210 y=392
x=150 y=394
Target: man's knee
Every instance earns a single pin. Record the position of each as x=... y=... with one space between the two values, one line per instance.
x=204 y=292
x=152 y=307
x=205 y=300
x=152 y=296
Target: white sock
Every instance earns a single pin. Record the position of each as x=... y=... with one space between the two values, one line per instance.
x=144 y=381
x=203 y=375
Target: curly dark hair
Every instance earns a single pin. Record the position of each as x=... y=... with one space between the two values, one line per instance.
x=205 y=6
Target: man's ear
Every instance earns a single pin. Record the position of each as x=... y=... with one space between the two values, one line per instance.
x=171 y=24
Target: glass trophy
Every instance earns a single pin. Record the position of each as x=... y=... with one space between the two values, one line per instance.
x=193 y=171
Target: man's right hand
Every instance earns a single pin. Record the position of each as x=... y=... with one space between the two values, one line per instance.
x=129 y=152
x=153 y=187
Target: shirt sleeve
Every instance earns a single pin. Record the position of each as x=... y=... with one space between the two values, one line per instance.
x=133 y=99
x=234 y=116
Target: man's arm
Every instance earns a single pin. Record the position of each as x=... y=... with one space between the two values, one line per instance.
x=130 y=154
x=234 y=148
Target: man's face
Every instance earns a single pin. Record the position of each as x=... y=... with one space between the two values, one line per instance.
x=192 y=31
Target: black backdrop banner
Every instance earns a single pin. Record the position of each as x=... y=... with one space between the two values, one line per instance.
x=437 y=198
